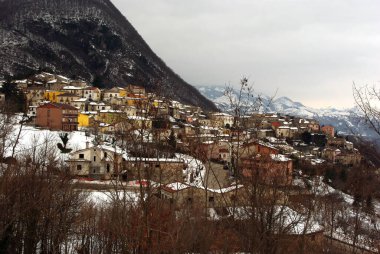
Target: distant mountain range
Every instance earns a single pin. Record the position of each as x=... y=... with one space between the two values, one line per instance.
x=88 y=39
x=346 y=121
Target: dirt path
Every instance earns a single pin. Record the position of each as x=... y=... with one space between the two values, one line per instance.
x=216 y=177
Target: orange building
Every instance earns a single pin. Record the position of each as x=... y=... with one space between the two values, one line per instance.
x=257 y=147
x=57 y=116
x=328 y=130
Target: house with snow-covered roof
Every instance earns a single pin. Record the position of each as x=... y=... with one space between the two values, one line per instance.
x=91 y=93
x=222 y=119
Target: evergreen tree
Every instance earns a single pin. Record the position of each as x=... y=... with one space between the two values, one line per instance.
x=62 y=146
x=14 y=98
x=172 y=141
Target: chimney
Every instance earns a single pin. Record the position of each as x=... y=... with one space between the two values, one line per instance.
x=87 y=144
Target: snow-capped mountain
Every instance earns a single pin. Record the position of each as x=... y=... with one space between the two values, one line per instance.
x=88 y=39
x=346 y=121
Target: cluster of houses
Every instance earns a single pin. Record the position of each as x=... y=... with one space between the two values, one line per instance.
x=266 y=142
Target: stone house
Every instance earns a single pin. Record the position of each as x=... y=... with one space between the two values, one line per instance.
x=283 y=132
x=348 y=158
x=97 y=106
x=99 y=162
x=222 y=119
x=163 y=170
x=91 y=93
x=336 y=142
x=67 y=98
x=272 y=169
x=330 y=154
x=215 y=150
x=133 y=91
x=111 y=93
x=35 y=96
x=73 y=89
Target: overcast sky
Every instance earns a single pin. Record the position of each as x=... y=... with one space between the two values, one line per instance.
x=310 y=50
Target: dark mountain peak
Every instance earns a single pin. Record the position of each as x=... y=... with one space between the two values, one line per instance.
x=87 y=39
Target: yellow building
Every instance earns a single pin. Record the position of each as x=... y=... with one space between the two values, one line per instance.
x=110 y=116
x=122 y=92
x=52 y=96
x=86 y=119
x=136 y=102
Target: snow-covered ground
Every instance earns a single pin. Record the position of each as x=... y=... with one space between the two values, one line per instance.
x=106 y=197
x=367 y=222
x=32 y=138
x=195 y=170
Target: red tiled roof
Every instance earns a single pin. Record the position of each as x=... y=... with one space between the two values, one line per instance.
x=58 y=105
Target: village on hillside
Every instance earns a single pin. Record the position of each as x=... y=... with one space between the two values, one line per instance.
x=189 y=156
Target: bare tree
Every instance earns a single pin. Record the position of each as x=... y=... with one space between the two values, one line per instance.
x=367 y=100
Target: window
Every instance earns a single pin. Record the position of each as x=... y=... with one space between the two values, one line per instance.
x=108 y=168
x=94 y=158
x=81 y=156
x=211 y=199
x=79 y=167
x=105 y=154
x=157 y=165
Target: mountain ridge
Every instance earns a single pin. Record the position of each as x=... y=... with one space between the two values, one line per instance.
x=346 y=121
x=88 y=39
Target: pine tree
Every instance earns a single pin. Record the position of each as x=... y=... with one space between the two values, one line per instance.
x=62 y=146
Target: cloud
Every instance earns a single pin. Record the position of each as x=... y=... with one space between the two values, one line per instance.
x=311 y=51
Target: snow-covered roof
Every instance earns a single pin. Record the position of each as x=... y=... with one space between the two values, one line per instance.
x=222 y=114
x=138 y=118
x=177 y=186
x=89 y=112
x=71 y=88
x=279 y=157
x=81 y=100
x=52 y=81
x=224 y=190
x=110 y=111
x=142 y=159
